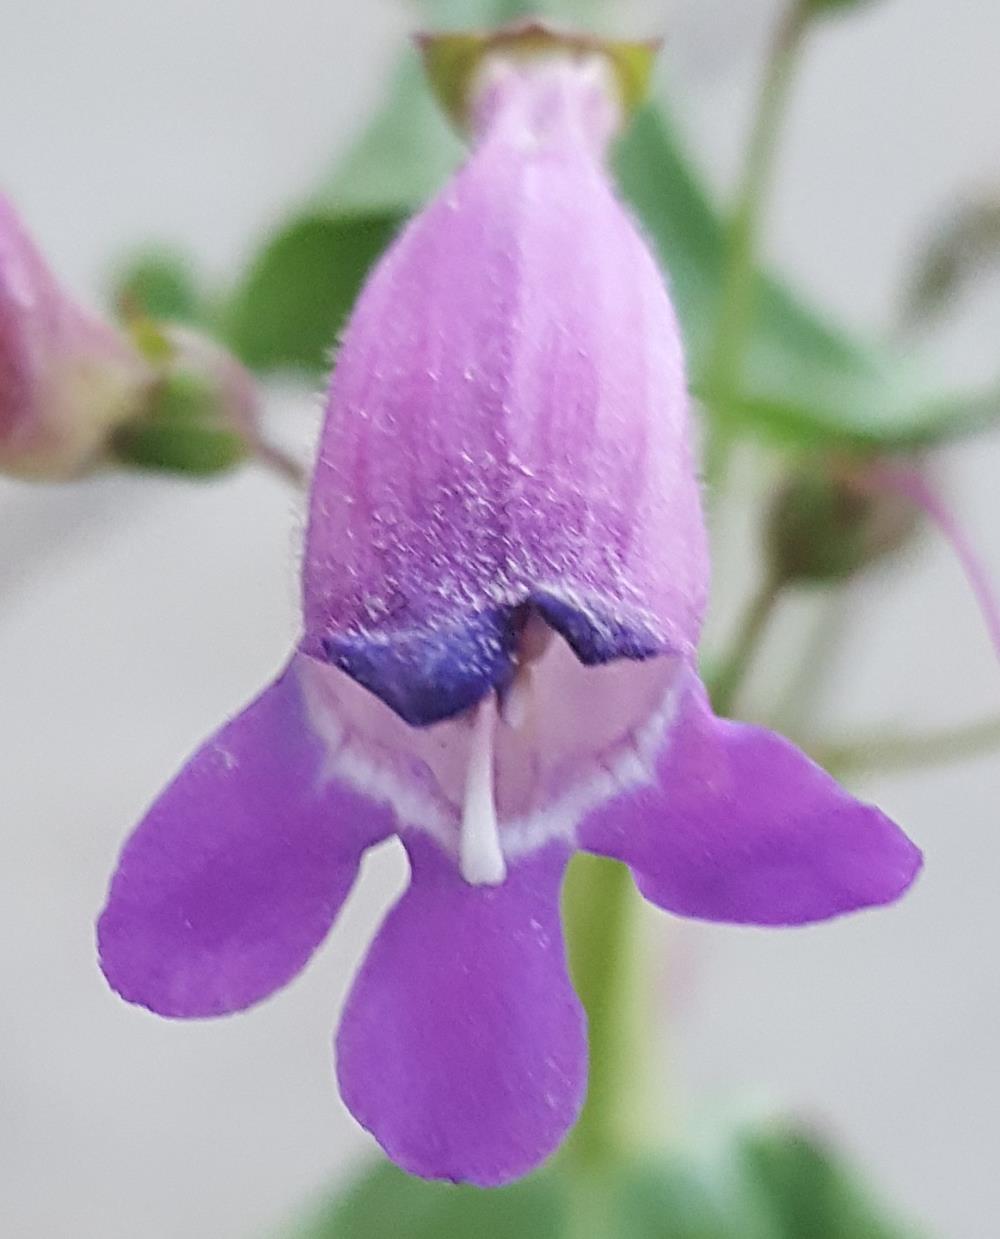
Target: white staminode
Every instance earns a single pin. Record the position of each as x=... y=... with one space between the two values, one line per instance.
x=480 y=856
x=516 y=701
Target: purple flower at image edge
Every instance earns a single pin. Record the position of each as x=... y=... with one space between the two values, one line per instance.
x=503 y=588
x=67 y=378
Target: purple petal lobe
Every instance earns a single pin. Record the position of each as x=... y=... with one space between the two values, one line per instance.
x=741 y=826
x=235 y=875
x=462 y=1047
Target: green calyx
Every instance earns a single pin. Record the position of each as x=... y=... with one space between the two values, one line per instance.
x=453 y=60
x=182 y=429
x=191 y=420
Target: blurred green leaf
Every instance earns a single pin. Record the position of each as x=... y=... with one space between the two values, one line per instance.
x=484 y=14
x=294 y=300
x=777 y=1182
x=181 y=431
x=401 y=158
x=806 y=382
x=388 y=1204
x=160 y=284
x=836 y=6
x=674 y=1201
x=286 y=312
x=803 y=1189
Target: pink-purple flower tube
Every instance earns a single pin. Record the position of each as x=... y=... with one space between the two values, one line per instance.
x=504 y=583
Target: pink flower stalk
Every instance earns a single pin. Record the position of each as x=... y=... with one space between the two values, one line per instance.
x=910 y=481
x=503 y=589
x=67 y=379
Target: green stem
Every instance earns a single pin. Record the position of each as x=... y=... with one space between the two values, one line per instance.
x=598 y=907
x=726 y=682
x=726 y=358
x=901 y=752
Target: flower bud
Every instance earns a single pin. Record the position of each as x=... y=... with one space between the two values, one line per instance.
x=199 y=412
x=66 y=378
x=833 y=520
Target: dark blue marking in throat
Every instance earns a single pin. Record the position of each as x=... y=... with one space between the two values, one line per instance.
x=437 y=671
x=432 y=673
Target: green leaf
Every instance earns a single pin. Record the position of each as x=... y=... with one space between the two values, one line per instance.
x=777 y=1182
x=487 y=14
x=674 y=1201
x=803 y=1189
x=388 y=1204
x=289 y=308
x=402 y=158
x=806 y=381
x=286 y=312
x=158 y=283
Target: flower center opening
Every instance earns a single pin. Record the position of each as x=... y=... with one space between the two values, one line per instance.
x=519 y=769
x=481 y=855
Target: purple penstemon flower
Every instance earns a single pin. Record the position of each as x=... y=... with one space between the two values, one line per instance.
x=504 y=582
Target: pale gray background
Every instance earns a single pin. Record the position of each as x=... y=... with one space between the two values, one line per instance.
x=134 y=613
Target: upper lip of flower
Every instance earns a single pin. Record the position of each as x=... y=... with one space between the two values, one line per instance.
x=436 y=670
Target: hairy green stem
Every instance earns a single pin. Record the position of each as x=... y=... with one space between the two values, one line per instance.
x=728 y=678
x=886 y=752
x=727 y=355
